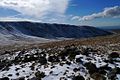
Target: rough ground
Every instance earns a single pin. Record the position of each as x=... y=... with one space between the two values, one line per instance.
x=63 y=63
x=86 y=59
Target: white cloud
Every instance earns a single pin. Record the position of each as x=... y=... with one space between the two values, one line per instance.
x=8 y=19
x=111 y=12
x=75 y=17
x=36 y=8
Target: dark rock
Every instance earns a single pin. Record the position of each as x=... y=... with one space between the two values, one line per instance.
x=78 y=78
x=53 y=59
x=98 y=76
x=70 y=51
x=51 y=72
x=78 y=60
x=21 y=53
x=112 y=76
x=118 y=70
x=5 y=78
x=63 y=58
x=7 y=52
x=17 y=69
x=2 y=65
x=17 y=74
x=105 y=67
x=76 y=69
x=63 y=78
x=61 y=64
x=40 y=75
x=29 y=58
x=9 y=75
x=42 y=60
x=114 y=55
x=21 y=78
x=86 y=51
x=68 y=62
x=34 y=78
x=43 y=54
x=101 y=71
x=91 y=67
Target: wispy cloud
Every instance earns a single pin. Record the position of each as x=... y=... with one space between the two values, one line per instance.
x=36 y=8
x=111 y=12
x=8 y=19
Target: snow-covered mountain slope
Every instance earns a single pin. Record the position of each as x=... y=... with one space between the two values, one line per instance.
x=32 y=31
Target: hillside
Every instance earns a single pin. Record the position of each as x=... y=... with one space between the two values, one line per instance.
x=31 y=31
x=85 y=59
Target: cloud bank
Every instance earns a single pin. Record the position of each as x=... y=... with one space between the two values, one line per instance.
x=36 y=8
x=111 y=12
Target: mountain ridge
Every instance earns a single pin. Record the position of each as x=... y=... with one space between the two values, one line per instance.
x=34 y=31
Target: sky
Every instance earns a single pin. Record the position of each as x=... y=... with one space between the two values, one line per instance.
x=77 y=12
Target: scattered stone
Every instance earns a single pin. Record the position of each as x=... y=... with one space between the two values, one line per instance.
x=105 y=67
x=63 y=78
x=17 y=69
x=9 y=75
x=21 y=78
x=34 y=78
x=78 y=78
x=91 y=67
x=86 y=51
x=78 y=60
x=68 y=62
x=98 y=76
x=114 y=55
x=40 y=75
x=42 y=60
x=53 y=59
x=17 y=74
x=4 y=78
x=76 y=69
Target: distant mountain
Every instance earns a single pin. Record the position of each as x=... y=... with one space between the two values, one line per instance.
x=32 y=30
x=109 y=27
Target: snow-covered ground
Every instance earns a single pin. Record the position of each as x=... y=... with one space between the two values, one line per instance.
x=65 y=63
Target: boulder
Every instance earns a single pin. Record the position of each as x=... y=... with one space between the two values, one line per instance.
x=114 y=55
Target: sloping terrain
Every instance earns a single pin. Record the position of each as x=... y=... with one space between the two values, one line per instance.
x=85 y=59
x=30 y=30
x=62 y=63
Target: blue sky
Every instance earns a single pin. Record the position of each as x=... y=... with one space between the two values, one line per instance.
x=78 y=12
